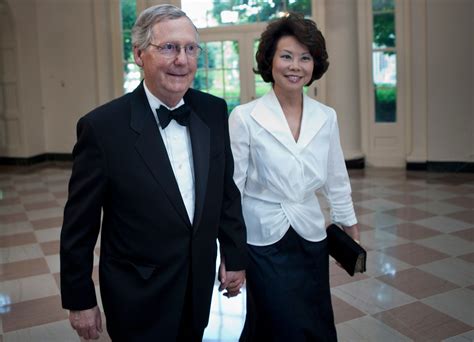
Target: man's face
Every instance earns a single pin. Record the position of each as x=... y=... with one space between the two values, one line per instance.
x=169 y=77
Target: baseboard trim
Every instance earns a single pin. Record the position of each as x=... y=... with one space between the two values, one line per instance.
x=355 y=164
x=41 y=158
x=432 y=166
x=411 y=166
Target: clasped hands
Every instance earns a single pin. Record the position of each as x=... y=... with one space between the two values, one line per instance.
x=231 y=281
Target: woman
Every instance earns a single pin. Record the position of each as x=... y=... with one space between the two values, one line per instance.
x=286 y=147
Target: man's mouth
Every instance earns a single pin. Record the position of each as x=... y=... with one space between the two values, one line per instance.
x=177 y=74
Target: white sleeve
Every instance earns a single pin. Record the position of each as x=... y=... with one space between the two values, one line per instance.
x=240 y=143
x=337 y=187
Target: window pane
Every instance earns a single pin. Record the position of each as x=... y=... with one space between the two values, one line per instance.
x=131 y=72
x=215 y=83
x=384 y=23
x=214 y=54
x=231 y=54
x=218 y=71
x=384 y=30
x=385 y=103
x=212 y=13
x=384 y=65
x=385 y=85
x=232 y=83
x=201 y=80
x=383 y=5
x=384 y=61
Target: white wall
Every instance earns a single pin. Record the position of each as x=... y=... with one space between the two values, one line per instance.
x=450 y=62
x=67 y=61
x=65 y=67
x=21 y=74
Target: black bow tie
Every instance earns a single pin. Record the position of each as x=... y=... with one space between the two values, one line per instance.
x=180 y=114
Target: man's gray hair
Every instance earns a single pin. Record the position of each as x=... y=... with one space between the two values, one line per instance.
x=142 y=31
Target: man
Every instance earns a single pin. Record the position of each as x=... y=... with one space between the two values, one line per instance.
x=163 y=182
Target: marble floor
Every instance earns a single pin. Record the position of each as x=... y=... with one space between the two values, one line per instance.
x=418 y=228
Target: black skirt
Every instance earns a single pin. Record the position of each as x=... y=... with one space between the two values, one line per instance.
x=288 y=292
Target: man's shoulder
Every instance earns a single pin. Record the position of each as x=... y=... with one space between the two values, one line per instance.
x=198 y=96
x=111 y=109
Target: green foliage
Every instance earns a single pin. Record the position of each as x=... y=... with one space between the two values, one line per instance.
x=384 y=29
x=301 y=7
x=129 y=15
x=207 y=60
x=385 y=103
x=259 y=11
x=384 y=23
x=386 y=92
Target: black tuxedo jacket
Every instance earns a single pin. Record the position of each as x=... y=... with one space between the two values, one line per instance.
x=122 y=185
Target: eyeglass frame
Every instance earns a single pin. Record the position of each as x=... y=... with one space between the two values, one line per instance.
x=177 y=49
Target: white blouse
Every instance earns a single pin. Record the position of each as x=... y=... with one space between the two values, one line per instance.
x=278 y=177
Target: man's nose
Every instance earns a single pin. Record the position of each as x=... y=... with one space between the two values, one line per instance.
x=181 y=57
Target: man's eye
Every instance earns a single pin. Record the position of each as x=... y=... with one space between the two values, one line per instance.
x=169 y=47
x=191 y=48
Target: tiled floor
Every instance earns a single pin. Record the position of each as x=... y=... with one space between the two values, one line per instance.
x=418 y=229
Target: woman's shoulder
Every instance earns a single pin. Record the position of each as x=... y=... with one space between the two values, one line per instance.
x=317 y=105
x=244 y=110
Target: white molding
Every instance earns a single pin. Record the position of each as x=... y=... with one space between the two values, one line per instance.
x=385 y=144
x=417 y=130
x=364 y=21
x=99 y=49
x=319 y=16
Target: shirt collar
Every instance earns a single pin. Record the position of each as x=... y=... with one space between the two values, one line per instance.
x=155 y=102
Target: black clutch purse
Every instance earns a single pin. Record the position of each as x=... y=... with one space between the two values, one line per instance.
x=345 y=250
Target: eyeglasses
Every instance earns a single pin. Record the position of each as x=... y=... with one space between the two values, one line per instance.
x=171 y=50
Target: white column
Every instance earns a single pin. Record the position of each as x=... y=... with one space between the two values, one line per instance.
x=417 y=135
x=342 y=78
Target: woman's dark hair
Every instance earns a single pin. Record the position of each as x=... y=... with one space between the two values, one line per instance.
x=305 y=31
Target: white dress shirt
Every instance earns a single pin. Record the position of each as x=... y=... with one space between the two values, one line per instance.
x=178 y=145
x=278 y=177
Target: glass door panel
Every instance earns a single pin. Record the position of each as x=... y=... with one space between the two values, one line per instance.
x=218 y=71
x=385 y=85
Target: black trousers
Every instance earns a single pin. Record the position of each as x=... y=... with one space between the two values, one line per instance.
x=288 y=292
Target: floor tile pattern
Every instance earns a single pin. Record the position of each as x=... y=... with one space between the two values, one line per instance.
x=417 y=227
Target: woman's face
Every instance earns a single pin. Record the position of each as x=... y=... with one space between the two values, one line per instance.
x=292 y=65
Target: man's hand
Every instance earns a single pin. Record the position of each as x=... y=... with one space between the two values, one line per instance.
x=87 y=323
x=232 y=281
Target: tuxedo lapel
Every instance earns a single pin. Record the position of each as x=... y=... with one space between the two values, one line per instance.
x=151 y=148
x=200 y=142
